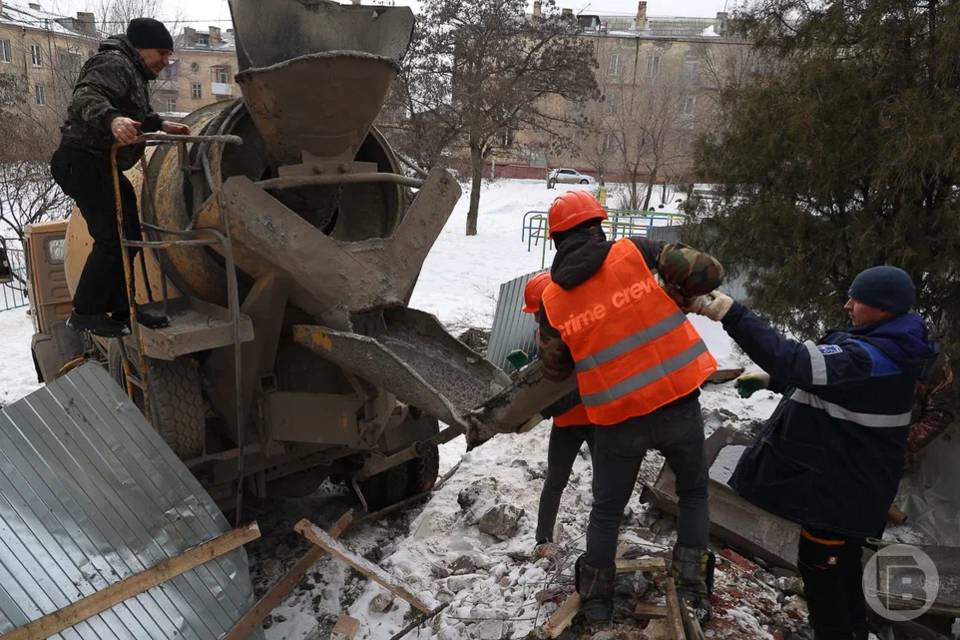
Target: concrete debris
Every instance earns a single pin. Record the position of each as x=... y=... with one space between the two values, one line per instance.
x=501 y=521
x=381 y=603
x=792 y=586
x=469 y=563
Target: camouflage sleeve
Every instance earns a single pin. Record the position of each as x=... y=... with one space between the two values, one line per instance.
x=933 y=408
x=556 y=358
x=687 y=272
x=100 y=86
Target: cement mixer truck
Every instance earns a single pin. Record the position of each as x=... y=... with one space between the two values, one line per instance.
x=338 y=376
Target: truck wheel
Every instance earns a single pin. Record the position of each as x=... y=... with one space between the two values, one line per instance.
x=386 y=488
x=422 y=472
x=176 y=401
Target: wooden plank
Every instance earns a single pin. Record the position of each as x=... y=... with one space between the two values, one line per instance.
x=674 y=619
x=650 y=611
x=95 y=603
x=345 y=628
x=563 y=616
x=641 y=564
x=253 y=618
x=319 y=537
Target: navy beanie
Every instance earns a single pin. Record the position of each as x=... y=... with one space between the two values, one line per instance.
x=885 y=288
x=147 y=33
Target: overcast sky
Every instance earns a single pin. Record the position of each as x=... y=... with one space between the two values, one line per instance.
x=216 y=12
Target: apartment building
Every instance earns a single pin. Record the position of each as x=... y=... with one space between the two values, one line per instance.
x=41 y=54
x=649 y=67
x=202 y=71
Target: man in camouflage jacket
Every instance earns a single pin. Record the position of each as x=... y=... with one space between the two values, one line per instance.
x=110 y=105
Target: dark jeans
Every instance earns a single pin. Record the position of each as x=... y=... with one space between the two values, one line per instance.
x=675 y=430
x=86 y=178
x=564 y=446
x=830 y=565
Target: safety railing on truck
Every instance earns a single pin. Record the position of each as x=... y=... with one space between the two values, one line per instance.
x=176 y=238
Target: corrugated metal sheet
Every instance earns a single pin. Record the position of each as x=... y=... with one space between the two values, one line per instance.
x=89 y=495
x=512 y=329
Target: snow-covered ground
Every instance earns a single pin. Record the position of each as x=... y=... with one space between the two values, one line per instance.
x=18 y=377
x=491 y=584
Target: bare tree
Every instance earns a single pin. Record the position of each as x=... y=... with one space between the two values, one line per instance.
x=114 y=15
x=28 y=195
x=478 y=72
x=649 y=126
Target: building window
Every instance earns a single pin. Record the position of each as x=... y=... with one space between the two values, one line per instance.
x=689 y=102
x=36 y=55
x=5 y=51
x=170 y=104
x=653 y=65
x=203 y=39
x=195 y=91
x=613 y=66
x=40 y=93
x=693 y=72
x=611 y=142
x=221 y=74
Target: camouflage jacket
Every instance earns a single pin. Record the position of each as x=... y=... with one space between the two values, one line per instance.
x=112 y=83
x=683 y=271
x=933 y=406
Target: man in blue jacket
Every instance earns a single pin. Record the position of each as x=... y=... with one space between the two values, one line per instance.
x=831 y=455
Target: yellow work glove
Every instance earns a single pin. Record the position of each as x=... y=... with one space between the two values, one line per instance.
x=713 y=305
x=751 y=382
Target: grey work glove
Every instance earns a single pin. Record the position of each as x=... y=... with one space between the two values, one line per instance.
x=713 y=305
x=751 y=382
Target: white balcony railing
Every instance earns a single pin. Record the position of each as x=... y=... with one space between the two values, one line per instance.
x=221 y=88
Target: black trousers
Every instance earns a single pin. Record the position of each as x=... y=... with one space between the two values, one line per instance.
x=676 y=430
x=86 y=178
x=565 y=443
x=830 y=565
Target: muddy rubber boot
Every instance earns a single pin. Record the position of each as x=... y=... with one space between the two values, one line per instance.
x=595 y=587
x=693 y=571
x=148 y=320
x=99 y=324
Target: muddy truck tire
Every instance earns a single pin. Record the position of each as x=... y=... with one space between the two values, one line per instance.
x=176 y=401
x=422 y=472
x=386 y=488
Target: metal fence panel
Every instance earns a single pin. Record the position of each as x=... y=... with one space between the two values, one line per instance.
x=512 y=329
x=90 y=494
x=14 y=294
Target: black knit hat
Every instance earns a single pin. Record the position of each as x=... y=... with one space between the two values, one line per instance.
x=147 y=33
x=885 y=288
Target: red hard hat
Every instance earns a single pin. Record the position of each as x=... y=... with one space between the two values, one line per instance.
x=534 y=291
x=572 y=208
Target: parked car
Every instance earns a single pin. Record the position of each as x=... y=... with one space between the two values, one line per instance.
x=568 y=176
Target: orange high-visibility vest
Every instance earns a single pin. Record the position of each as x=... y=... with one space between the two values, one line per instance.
x=576 y=417
x=633 y=347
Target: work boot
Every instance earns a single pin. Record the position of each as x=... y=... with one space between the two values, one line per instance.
x=693 y=571
x=595 y=587
x=148 y=320
x=99 y=324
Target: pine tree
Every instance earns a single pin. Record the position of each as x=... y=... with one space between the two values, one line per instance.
x=847 y=156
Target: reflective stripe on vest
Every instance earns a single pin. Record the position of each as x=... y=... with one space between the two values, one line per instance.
x=576 y=417
x=634 y=350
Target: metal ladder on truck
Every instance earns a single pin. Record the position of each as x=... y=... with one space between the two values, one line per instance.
x=137 y=379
